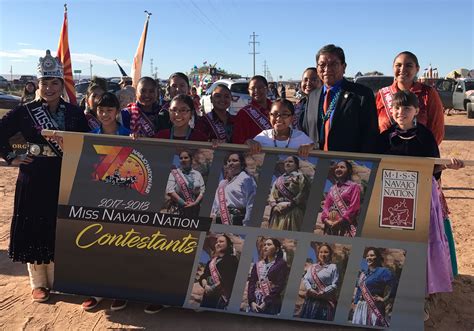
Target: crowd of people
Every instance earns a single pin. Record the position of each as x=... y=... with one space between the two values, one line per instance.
x=335 y=114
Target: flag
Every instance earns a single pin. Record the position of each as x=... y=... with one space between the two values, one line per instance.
x=138 y=59
x=124 y=74
x=65 y=57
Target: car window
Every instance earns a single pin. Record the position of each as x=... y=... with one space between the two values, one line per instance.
x=81 y=88
x=242 y=88
x=469 y=85
x=459 y=88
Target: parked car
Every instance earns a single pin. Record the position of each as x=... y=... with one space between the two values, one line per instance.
x=375 y=83
x=8 y=101
x=240 y=95
x=456 y=94
x=4 y=83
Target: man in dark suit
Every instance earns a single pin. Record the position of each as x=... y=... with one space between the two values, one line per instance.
x=341 y=115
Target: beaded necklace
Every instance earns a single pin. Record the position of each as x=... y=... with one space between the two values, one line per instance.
x=331 y=108
x=287 y=142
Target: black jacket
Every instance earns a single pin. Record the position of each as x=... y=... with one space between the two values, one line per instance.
x=354 y=126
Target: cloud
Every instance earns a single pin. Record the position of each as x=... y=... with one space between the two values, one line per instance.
x=25 y=53
x=96 y=59
x=22 y=53
x=23 y=44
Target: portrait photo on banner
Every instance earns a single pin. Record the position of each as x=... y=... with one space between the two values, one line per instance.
x=187 y=179
x=289 y=192
x=321 y=281
x=376 y=286
x=216 y=270
x=268 y=275
x=235 y=194
x=344 y=192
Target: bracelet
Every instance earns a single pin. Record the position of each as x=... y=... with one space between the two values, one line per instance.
x=10 y=157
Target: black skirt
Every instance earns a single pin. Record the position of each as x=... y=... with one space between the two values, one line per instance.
x=33 y=227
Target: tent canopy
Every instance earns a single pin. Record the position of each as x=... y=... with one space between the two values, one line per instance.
x=459 y=73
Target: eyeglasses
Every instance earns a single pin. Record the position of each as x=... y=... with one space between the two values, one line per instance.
x=328 y=65
x=257 y=88
x=179 y=111
x=280 y=115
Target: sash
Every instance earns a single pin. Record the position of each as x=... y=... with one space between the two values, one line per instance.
x=214 y=272
x=42 y=118
x=225 y=217
x=342 y=207
x=182 y=185
x=387 y=98
x=370 y=301
x=280 y=185
x=258 y=118
x=216 y=276
x=319 y=283
x=92 y=121
x=262 y=272
x=217 y=127
x=139 y=122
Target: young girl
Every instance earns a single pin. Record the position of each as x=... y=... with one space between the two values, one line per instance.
x=218 y=123
x=97 y=87
x=281 y=134
x=143 y=117
x=253 y=118
x=181 y=112
x=407 y=137
x=29 y=93
x=108 y=108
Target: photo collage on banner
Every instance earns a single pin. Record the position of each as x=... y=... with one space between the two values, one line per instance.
x=235 y=194
x=289 y=193
x=376 y=286
x=268 y=276
x=265 y=235
x=216 y=270
x=344 y=192
x=186 y=184
x=321 y=282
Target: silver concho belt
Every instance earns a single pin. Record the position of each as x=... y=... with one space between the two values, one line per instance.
x=42 y=150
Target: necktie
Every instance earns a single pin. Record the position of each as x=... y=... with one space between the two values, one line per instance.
x=327 y=123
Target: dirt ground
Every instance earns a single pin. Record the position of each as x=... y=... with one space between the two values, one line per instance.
x=450 y=311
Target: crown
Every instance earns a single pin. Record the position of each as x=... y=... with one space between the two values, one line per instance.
x=50 y=66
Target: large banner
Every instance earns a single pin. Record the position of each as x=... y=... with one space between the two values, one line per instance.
x=336 y=238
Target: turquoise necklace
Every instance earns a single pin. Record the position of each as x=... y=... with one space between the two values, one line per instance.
x=332 y=107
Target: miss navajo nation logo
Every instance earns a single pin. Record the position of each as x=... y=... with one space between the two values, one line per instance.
x=399 y=194
x=123 y=166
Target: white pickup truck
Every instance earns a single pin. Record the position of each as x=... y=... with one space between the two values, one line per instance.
x=457 y=94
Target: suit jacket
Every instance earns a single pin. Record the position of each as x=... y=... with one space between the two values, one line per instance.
x=354 y=126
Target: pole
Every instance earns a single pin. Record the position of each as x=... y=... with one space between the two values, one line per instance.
x=265 y=69
x=253 y=42
x=90 y=67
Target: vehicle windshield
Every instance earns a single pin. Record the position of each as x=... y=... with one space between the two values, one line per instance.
x=242 y=88
x=375 y=83
x=469 y=85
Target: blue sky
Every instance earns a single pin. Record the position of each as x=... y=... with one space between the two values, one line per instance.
x=184 y=33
